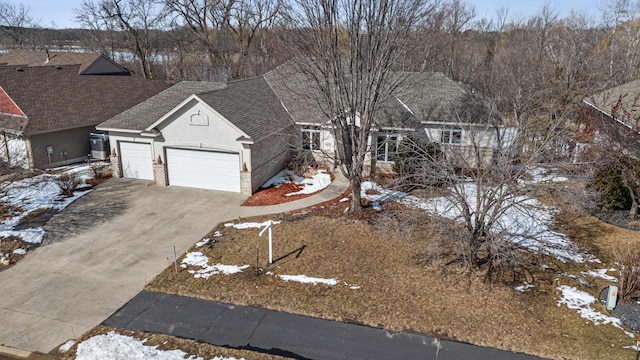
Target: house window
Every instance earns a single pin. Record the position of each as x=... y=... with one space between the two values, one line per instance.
x=387 y=145
x=451 y=136
x=311 y=137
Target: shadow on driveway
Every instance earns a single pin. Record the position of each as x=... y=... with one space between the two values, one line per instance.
x=88 y=211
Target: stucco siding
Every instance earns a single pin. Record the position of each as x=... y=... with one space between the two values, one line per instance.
x=69 y=146
x=197 y=126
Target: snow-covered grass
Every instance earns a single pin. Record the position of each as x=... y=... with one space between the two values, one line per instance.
x=524 y=288
x=37 y=193
x=602 y=274
x=114 y=346
x=581 y=301
x=309 y=185
x=197 y=258
x=250 y=225
x=308 y=279
x=525 y=221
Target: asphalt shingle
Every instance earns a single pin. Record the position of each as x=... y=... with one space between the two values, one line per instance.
x=57 y=97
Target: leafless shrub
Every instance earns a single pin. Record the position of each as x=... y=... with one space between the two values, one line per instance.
x=98 y=170
x=301 y=161
x=628 y=258
x=68 y=183
x=400 y=223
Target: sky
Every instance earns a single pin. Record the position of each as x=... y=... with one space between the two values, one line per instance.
x=60 y=14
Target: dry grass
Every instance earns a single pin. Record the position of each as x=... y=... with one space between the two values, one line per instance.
x=164 y=342
x=396 y=293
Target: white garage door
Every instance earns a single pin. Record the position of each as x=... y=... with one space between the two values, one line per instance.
x=136 y=160
x=204 y=169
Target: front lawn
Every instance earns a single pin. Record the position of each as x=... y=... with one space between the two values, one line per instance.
x=361 y=268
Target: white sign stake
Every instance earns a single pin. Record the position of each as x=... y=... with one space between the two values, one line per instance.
x=268 y=227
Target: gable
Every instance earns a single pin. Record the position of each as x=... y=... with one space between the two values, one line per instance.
x=104 y=66
x=7 y=105
x=195 y=124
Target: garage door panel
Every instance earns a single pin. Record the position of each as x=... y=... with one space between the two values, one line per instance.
x=136 y=160
x=204 y=169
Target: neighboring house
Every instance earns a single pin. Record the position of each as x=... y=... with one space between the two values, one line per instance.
x=621 y=103
x=90 y=63
x=235 y=136
x=49 y=107
x=229 y=137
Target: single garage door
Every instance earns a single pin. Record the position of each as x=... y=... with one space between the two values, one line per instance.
x=204 y=169
x=136 y=160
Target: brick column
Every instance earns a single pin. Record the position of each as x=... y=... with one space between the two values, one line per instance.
x=159 y=174
x=115 y=166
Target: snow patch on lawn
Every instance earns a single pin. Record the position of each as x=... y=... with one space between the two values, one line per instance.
x=525 y=222
x=579 y=300
x=249 y=225
x=197 y=258
x=112 y=346
x=524 y=288
x=36 y=193
x=542 y=175
x=317 y=182
x=602 y=274
x=308 y=279
x=66 y=346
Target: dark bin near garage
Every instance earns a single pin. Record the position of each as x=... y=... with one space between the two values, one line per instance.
x=99 y=146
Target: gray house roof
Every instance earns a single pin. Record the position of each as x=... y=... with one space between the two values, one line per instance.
x=143 y=115
x=249 y=104
x=621 y=103
x=420 y=97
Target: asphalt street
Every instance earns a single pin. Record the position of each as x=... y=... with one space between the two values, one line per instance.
x=285 y=334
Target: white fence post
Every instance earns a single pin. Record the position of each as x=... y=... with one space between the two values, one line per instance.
x=268 y=227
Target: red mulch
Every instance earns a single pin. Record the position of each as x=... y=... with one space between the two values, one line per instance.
x=276 y=195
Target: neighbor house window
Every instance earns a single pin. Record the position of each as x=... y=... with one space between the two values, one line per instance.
x=311 y=137
x=451 y=136
x=387 y=145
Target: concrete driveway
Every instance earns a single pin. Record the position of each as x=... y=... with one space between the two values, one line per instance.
x=101 y=251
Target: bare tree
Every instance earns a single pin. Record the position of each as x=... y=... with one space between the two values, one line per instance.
x=490 y=191
x=139 y=19
x=348 y=50
x=17 y=23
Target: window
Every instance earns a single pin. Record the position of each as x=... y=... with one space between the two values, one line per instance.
x=451 y=136
x=311 y=137
x=387 y=145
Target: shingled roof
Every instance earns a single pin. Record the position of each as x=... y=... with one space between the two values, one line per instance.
x=90 y=63
x=419 y=97
x=621 y=103
x=56 y=98
x=251 y=105
x=143 y=115
x=248 y=104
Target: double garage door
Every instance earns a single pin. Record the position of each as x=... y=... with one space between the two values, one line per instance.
x=188 y=168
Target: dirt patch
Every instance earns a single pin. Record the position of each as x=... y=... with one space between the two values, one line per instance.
x=381 y=284
x=12 y=250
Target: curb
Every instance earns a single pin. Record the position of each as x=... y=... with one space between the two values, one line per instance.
x=13 y=352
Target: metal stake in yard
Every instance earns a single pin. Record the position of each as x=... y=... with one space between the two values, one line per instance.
x=175 y=259
x=268 y=227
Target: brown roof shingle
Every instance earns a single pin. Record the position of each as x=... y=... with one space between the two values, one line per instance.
x=55 y=98
x=621 y=103
x=30 y=58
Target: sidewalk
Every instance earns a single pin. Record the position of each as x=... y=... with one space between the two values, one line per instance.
x=284 y=334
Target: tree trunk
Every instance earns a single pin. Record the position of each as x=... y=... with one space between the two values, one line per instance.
x=356 y=186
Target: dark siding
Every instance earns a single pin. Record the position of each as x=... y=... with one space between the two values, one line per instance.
x=74 y=141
